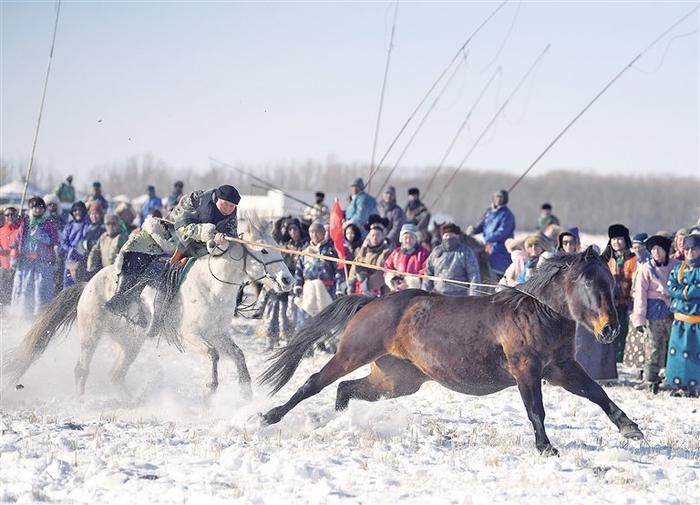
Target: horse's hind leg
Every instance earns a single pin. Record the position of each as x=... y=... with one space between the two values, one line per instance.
x=229 y=347
x=390 y=377
x=213 y=383
x=572 y=377
x=129 y=348
x=343 y=363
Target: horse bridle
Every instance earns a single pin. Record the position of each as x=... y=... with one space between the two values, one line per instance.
x=247 y=253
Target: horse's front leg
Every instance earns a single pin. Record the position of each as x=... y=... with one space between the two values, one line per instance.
x=572 y=377
x=530 y=387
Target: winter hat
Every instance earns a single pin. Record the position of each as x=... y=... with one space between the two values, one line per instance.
x=535 y=240
x=639 y=238
x=375 y=221
x=320 y=194
x=450 y=228
x=293 y=222
x=391 y=190
x=692 y=240
x=95 y=206
x=546 y=206
x=409 y=228
x=513 y=245
x=77 y=206
x=504 y=194
x=228 y=193
x=358 y=183
x=619 y=230
x=663 y=242
x=560 y=239
x=414 y=191
x=96 y=184
x=37 y=202
x=112 y=219
x=49 y=199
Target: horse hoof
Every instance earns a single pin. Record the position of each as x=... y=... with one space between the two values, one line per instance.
x=548 y=451
x=271 y=417
x=632 y=432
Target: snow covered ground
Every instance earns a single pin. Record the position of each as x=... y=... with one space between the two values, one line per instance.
x=169 y=445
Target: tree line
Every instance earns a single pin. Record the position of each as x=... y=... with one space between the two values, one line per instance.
x=589 y=201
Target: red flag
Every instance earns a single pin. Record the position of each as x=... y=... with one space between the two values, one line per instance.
x=336 y=231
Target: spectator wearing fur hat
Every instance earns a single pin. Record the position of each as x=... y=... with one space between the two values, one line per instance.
x=125 y=212
x=678 y=239
x=683 y=359
x=497 y=225
x=374 y=251
x=53 y=211
x=73 y=244
x=651 y=307
x=318 y=211
x=416 y=212
x=362 y=205
x=534 y=246
x=33 y=285
x=409 y=257
x=107 y=247
x=452 y=260
x=622 y=264
x=518 y=258
x=393 y=213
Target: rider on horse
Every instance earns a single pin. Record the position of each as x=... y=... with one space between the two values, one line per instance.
x=202 y=220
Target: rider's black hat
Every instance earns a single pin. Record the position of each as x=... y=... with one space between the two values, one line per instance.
x=228 y=193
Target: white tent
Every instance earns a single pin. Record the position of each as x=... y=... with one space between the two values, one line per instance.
x=12 y=192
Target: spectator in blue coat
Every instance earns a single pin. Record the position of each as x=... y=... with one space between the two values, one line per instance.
x=362 y=206
x=154 y=202
x=73 y=245
x=33 y=283
x=497 y=225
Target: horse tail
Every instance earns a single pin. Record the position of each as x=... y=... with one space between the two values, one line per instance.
x=326 y=323
x=57 y=317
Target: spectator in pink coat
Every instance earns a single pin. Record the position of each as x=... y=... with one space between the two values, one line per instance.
x=651 y=305
x=410 y=257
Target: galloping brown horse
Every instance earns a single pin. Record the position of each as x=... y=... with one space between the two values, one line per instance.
x=473 y=345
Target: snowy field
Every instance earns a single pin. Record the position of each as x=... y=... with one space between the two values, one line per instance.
x=168 y=444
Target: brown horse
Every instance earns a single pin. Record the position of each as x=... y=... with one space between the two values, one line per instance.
x=473 y=345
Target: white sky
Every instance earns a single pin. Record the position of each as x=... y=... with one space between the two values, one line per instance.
x=254 y=83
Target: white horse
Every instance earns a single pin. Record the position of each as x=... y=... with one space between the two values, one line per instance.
x=200 y=313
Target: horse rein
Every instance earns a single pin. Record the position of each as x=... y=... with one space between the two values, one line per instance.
x=246 y=253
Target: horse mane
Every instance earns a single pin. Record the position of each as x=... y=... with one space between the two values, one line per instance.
x=526 y=295
x=257 y=226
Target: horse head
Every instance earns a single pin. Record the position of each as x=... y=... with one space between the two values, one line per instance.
x=264 y=265
x=589 y=295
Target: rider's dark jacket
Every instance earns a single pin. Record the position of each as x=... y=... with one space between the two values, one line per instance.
x=197 y=220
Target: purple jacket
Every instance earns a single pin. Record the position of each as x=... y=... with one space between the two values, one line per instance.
x=37 y=242
x=73 y=234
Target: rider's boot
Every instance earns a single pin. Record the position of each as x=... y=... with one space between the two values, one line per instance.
x=119 y=303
